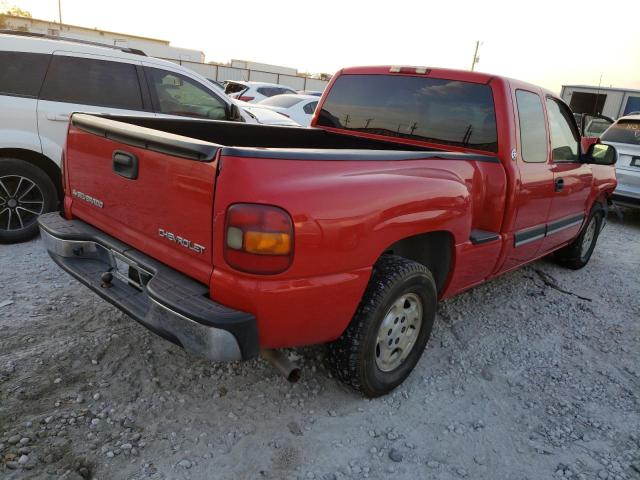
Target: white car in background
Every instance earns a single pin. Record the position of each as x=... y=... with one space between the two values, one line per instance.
x=254 y=92
x=624 y=135
x=265 y=116
x=298 y=108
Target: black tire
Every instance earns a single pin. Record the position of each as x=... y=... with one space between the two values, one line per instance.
x=18 y=202
x=577 y=254
x=353 y=358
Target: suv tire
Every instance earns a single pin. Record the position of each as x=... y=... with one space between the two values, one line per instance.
x=26 y=192
x=390 y=329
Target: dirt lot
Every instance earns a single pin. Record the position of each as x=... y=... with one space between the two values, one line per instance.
x=533 y=376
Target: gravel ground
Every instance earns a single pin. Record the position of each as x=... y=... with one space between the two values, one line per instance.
x=535 y=375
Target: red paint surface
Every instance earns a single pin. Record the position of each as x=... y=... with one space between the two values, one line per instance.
x=345 y=215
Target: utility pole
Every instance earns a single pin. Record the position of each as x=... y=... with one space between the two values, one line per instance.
x=60 y=13
x=476 y=58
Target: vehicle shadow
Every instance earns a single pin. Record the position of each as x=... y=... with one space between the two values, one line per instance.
x=630 y=217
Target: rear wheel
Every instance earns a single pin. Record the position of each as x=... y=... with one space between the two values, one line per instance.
x=578 y=253
x=26 y=192
x=390 y=329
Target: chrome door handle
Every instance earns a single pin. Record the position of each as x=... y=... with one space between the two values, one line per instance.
x=57 y=117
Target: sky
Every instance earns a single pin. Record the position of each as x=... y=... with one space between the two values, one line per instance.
x=548 y=43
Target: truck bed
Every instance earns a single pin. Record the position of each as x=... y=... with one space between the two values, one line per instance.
x=201 y=139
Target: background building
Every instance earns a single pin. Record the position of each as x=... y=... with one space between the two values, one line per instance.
x=151 y=46
x=193 y=59
x=612 y=102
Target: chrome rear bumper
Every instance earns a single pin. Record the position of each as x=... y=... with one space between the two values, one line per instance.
x=168 y=303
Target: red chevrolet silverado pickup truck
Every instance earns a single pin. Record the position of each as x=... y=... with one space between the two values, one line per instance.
x=412 y=185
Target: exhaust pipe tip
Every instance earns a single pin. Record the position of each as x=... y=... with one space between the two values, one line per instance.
x=282 y=364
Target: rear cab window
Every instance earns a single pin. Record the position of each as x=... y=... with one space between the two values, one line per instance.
x=447 y=112
x=22 y=73
x=623 y=131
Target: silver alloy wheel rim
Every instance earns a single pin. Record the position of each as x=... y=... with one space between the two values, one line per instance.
x=398 y=332
x=21 y=202
x=587 y=239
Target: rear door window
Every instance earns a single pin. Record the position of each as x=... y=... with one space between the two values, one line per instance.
x=533 y=134
x=89 y=81
x=623 y=131
x=176 y=94
x=433 y=110
x=268 y=91
x=21 y=73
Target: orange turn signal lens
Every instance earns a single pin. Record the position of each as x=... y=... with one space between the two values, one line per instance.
x=267 y=243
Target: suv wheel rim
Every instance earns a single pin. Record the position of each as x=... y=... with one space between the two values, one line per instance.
x=587 y=239
x=398 y=332
x=21 y=202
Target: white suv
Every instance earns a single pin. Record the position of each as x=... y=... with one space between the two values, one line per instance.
x=44 y=79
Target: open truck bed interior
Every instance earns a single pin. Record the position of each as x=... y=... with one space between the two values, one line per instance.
x=201 y=140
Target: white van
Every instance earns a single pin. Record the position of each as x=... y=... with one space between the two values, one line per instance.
x=44 y=79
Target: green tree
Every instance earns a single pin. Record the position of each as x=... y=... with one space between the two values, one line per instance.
x=5 y=9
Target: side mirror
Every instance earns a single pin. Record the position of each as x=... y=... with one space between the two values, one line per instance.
x=233 y=113
x=601 y=154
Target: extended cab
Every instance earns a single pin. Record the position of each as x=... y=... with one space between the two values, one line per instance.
x=412 y=185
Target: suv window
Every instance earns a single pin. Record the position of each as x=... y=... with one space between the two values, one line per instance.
x=434 y=110
x=564 y=138
x=533 y=134
x=22 y=73
x=176 y=94
x=623 y=131
x=310 y=107
x=92 y=82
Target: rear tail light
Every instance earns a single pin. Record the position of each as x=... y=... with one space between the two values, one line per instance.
x=242 y=98
x=258 y=238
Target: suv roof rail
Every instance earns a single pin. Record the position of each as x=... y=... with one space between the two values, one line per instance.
x=22 y=33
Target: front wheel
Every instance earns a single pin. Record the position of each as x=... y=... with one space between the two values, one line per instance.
x=26 y=192
x=578 y=253
x=390 y=329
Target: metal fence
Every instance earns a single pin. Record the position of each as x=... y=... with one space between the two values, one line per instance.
x=222 y=73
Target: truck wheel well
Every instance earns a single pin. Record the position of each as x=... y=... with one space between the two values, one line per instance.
x=432 y=249
x=44 y=163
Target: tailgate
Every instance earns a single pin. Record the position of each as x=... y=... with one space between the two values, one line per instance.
x=150 y=189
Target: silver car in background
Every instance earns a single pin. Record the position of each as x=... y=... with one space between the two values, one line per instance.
x=624 y=135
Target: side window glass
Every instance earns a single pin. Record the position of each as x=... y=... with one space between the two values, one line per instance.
x=533 y=136
x=564 y=138
x=310 y=107
x=22 y=73
x=176 y=94
x=92 y=82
